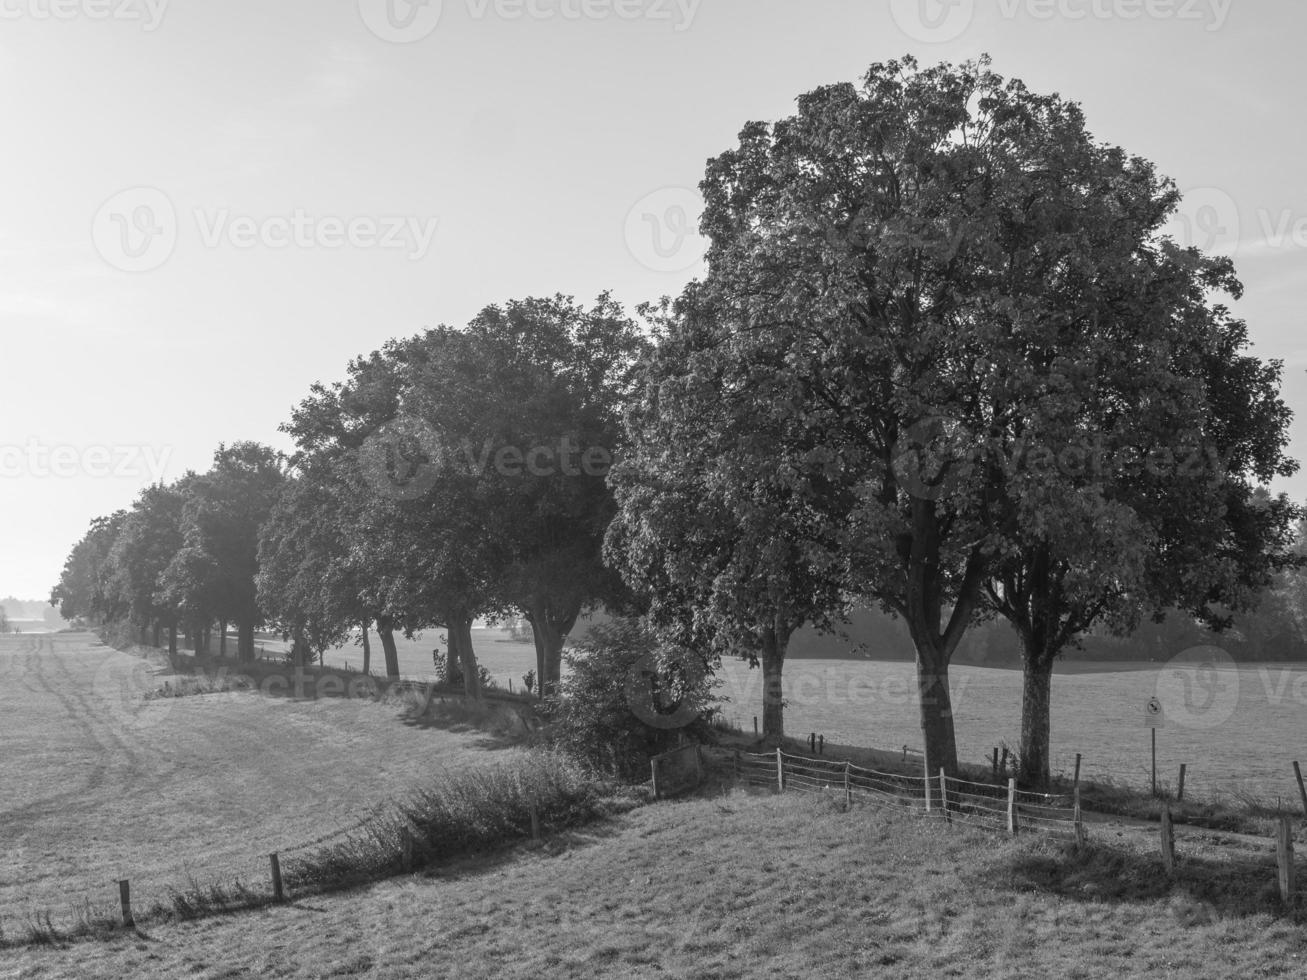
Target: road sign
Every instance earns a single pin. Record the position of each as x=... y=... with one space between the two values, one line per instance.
x=1154 y=717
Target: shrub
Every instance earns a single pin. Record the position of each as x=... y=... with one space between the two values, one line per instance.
x=629 y=698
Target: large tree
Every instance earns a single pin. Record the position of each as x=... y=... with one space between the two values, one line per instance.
x=528 y=401
x=867 y=255
x=1167 y=513
x=728 y=557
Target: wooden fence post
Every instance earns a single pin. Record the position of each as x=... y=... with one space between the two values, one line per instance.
x=1012 y=806
x=1002 y=766
x=780 y=771
x=278 y=892
x=1078 y=820
x=812 y=742
x=1075 y=782
x=755 y=726
x=1179 y=792
x=1302 y=791
x=1284 y=859
x=994 y=764
x=1168 y=841
x=925 y=762
x=125 y=897
x=821 y=744
x=943 y=795
x=848 y=787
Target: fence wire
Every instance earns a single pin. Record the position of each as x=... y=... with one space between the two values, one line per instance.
x=996 y=806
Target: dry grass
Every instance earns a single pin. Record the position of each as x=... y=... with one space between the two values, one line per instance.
x=743 y=886
x=101 y=784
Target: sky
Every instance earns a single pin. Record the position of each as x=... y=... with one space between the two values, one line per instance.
x=206 y=207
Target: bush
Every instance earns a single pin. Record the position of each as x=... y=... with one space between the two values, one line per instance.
x=629 y=698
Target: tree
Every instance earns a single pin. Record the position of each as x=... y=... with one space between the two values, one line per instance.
x=85 y=589
x=337 y=431
x=870 y=260
x=214 y=575
x=149 y=539
x=726 y=554
x=531 y=396
x=308 y=581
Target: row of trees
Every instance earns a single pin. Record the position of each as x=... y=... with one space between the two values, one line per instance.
x=455 y=475
x=944 y=362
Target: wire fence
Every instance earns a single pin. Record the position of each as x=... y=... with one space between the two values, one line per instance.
x=998 y=806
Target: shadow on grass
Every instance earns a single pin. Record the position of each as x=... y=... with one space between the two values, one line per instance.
x=1232 y=885
x=498 y=725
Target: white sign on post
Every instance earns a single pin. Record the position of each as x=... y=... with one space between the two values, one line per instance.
x=1153 y=715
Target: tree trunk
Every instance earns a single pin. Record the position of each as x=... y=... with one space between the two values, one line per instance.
x=773 y=692
x=299 y=648
x=222 y=637
x=367 y=650
x=537 y=638
x=468 y=658
x=172 y=640
x=937 y=718
x=245 y=639
x=936 y=711
x=197 y=639
x=550 y=629
x=1036 y=708
x=158 y=633
x=386 y=629
x=453 y=660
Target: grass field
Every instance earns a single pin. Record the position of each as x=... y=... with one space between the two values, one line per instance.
x=99 y=784
x=102 y=784
x=743 y=886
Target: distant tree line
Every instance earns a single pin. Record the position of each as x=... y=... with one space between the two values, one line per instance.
x=944 y=364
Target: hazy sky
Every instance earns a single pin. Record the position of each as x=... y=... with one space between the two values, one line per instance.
x=205 y=207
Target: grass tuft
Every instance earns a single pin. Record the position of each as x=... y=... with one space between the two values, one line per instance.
x=468 y=813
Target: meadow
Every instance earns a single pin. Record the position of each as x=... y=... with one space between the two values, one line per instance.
x=1237 y=729
x=101 y=783
x=745 y=885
